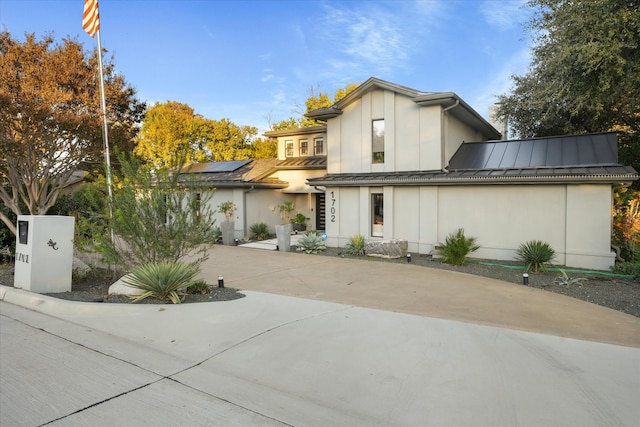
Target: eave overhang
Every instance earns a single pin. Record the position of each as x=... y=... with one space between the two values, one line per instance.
x=461 y=110
x=613 y=175
x=296 y=131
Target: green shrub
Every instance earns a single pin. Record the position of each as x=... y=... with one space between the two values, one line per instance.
x=260 y=231
x=355 y=245
x=163 y=281
x=456 y=247
x=198 y=287
x=311 y=243
x=535 y=254
x=629 y=268
x=214 y=235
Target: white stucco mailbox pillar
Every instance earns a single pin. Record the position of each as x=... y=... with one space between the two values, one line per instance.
x=44 y=253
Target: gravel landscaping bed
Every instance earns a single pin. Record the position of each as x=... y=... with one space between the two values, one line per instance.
x=617 y=292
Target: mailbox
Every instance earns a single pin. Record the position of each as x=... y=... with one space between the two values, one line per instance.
x=44 y=253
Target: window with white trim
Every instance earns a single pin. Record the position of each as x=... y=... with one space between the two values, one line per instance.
x=318 y=144
x=288 y=148
x=304 y=147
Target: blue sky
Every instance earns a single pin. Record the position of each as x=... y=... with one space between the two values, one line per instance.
x=253 y=61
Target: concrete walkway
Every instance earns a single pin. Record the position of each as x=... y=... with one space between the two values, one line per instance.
x=321 y=341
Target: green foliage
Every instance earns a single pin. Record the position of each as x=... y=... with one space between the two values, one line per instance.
x=311 y=243
x=535 y=254
x=299 y=219
x=260 y=231
x=565 y=280
x=584 y=74
x=49 y=105
x=315 y=100
x=198 y=287
x=355 y=245
x=89 y=207
x=7 y=238
x=157 y=218
x=163 y=281
x=228 y=208
x=628 y=268
x=284 y=210
x=456 y=247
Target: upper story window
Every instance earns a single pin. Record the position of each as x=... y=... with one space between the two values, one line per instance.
x=288 y=148
x=304 y=147
x=377 y=141
x=318 y=144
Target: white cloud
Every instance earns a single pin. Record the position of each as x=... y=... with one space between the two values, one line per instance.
x=505 y=14
x=367 y=37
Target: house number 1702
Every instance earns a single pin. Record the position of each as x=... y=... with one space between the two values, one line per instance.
x=332 y=208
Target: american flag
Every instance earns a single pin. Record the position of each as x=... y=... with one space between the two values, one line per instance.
x=91 y=17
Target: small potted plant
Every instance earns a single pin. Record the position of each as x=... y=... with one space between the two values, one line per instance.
x=283 y=230
x=299 y=222
x=228 y=225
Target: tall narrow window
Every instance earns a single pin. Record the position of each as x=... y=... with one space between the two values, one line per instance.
x=289 y=148
x=377 y=144
x=377 y=215
x=197 y=206
x=319 y=146
x=304 y=147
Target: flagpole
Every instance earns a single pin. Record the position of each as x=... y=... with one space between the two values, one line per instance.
x=105 y=133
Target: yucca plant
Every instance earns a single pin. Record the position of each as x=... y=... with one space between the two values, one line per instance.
x=198 y=287
x=260 y=231
x=311 y=243
x=456 y=247
x=355 y=245
x=163 y=281
x=535 y=254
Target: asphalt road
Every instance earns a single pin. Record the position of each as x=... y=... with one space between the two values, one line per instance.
x=272 y=360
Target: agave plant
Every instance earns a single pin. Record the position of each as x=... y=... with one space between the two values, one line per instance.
x=163 y=281
x=260 y=231
x=456 y=247
x=311 y=243
x=355 y=245
x=535 y=254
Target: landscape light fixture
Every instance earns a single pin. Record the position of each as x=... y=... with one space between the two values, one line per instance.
x=525 y=279
x=408 y=257
x=220 y=282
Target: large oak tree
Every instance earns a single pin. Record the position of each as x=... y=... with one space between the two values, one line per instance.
x=585 y=73
x=173 y=134
x=51 y=120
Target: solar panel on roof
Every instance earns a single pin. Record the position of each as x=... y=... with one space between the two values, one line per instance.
x=213 y=167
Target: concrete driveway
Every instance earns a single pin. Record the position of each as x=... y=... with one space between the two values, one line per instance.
x=274 y=359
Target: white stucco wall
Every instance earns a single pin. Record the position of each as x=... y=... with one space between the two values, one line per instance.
x=574 y=219
x=413 y=135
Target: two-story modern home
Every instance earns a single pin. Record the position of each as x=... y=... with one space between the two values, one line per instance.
x=394 y=163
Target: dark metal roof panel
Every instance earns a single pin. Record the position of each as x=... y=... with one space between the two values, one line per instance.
x=213 y=167
x=572 y=150
x=601 y=174
x=310 y=162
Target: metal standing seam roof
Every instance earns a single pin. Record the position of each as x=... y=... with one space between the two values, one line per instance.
x=310 y=162
x=562 y=151
x=565 y=159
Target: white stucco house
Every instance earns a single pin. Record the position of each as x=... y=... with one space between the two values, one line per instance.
x=396 y=163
